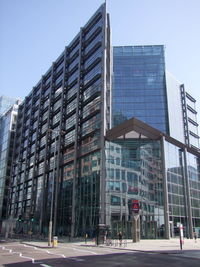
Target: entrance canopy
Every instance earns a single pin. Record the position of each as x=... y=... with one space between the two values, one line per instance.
x=134 y=128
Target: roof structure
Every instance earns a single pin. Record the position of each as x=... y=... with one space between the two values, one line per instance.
x=134 y=128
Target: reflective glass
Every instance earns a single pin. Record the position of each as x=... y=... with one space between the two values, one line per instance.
x=139 y=88
x=134 y=172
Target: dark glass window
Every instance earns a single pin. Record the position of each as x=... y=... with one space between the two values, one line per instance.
x=139 y=85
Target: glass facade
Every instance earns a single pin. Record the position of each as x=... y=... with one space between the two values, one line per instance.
x=176 y=126
x=6 y=103
x=7 y=129
x=143 y=89
x=134 y=172
x=159 y=172
x=59 y=138
x=183 y=179
x=193 y=164
x=139 y=88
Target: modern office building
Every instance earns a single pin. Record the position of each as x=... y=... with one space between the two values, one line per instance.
x=5 y=103
x=60 y=138
x=139 y=88
x=158 y=171
x=72 y=168
x=7 y=131
x=143 y=89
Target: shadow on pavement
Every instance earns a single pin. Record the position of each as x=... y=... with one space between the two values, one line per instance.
x=126 y=259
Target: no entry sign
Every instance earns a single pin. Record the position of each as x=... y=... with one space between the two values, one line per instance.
x=135 y=206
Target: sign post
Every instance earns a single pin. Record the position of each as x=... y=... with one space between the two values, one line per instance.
x=135 y=206
x=181 y=236
x=136 y=221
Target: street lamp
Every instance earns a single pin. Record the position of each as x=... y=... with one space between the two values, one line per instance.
x=53 y=205
x=52 y=193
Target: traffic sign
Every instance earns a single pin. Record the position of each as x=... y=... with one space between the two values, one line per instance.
x=135 y=206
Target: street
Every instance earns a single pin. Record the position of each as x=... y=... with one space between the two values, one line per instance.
x=15 y=254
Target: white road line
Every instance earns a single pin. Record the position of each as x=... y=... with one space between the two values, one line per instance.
x=21 y=256
x=55 y=254
x=19 y=253
x=86 y=251
x=45 y=265
x=47 y=251
x=33 y=260
x=3 y=248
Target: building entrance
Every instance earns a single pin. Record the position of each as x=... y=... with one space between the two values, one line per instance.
x=149 y=229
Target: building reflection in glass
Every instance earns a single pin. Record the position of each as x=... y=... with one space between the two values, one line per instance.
x=134 y=171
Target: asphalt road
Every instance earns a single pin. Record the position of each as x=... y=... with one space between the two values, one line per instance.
x=19 y=255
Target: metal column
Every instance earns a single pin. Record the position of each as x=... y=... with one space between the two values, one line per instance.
x=165 y=190
x=188 y=198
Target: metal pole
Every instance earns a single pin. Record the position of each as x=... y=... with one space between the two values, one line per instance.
x=165 y=190
x=188 y=197
x=50 y=232
x=52 y=196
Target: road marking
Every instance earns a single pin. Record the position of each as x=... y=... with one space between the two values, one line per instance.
x=3 y=248
x=47 y=251
x=86 y=251
x=21 y=256
x=33 y=260
x=55 y=254
x=19 y=253
x=45 y=265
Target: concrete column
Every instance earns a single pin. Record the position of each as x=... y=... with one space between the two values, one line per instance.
x=136 y=228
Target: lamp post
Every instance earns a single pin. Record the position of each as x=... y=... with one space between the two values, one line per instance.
x=53 y=206
x=52 y=192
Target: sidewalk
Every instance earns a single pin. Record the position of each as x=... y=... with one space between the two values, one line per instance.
x=190 y=249
x=164 y=245
x=150 y=245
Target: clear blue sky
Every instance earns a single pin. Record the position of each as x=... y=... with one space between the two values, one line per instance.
x=33 y=33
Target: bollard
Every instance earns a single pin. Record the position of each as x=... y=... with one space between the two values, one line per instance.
x=55 y=241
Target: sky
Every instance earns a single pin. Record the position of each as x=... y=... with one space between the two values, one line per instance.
x=33 y=33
